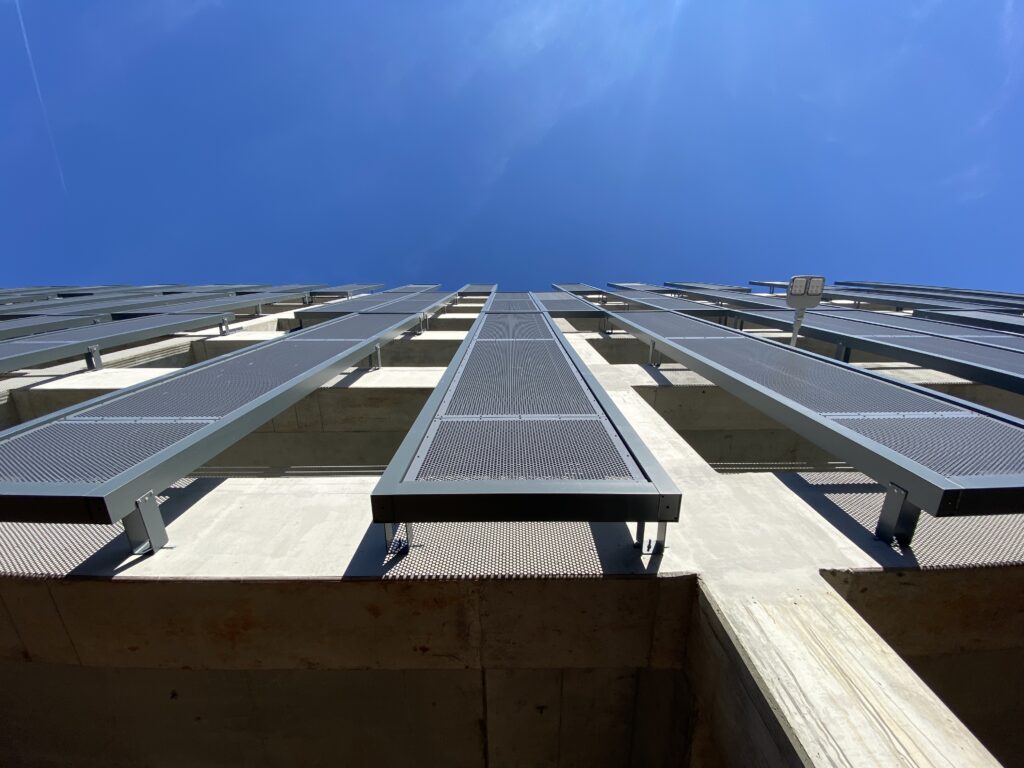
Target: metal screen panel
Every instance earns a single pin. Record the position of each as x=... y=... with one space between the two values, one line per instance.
x=949 y=456
x=214 y=391
x=70 y=452
x=956 y=447
x=352 y=327
x=27 y=326
x=550 y=449
x=479 y=288
x=94 y=462
x=976 y=319
x=421 y=302
x=518 y=378
x=814 y=384
x=517 y=430
x=672 y=326
x=515 y=326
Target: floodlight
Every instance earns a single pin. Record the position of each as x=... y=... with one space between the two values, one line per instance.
x=804 y=292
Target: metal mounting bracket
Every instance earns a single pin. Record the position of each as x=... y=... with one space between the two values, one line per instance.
x=898 y=519
x=398 y=546
x=653 y=356
x=374 y=360
x=651 y=546
x=93 y=361
x=842 y=351
x=224 y=326
x=144 y=526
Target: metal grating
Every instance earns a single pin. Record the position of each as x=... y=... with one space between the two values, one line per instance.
x=813 y=382
x=673 y=326
x=214 y=390
x=514 y=326
x=504 y=305
x=351 y=327
x=967 y=446
x=518 y=377
x=418 y=303
x=977 y=354
x=479 y=288
x=522 y=450
x=85 y=452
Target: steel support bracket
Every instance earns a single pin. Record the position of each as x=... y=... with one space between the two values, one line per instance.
x=144 y=526
x=397 y=546
x=898 y=519
x=224 y=326
x=842 y=351
x=93 y=361
x=654 y=545
x=653 y=356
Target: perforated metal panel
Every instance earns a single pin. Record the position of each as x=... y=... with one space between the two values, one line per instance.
x=505 y=305
x=958 y=447
x=351 y=327
x=68 y=452
x=479 y=288
x=813 y=383
x=673 y=326
x=421 y=303
x=27 y=326
x=214 y=391
x=514 y=326
x=522 y=450
x=977 y=319
x=977 y=354
x=518 y=377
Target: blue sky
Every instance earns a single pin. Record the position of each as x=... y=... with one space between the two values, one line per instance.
x=518 y=142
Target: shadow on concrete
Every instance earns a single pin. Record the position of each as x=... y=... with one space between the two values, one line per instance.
x=116 y=558
x=855 y=518
x=503 y=550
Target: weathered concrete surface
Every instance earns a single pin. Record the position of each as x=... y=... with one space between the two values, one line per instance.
x=962 y=631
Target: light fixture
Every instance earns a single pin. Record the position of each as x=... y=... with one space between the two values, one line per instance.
x=804 y=292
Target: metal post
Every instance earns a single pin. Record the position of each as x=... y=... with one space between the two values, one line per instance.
x=653 y=356
x=654 y=546
x=389 y=538
x=144 y=526
x=93 y=361
x=842 y=352
x=797 y=322
x=898 y=519
x=224 y=326
x=376 y=355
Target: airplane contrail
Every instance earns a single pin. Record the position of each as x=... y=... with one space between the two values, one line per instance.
x=39 y=93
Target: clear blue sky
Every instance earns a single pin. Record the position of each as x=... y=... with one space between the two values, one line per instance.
x=518 y=142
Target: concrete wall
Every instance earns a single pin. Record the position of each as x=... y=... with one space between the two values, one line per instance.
x=962 y=631
x=430 y=672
